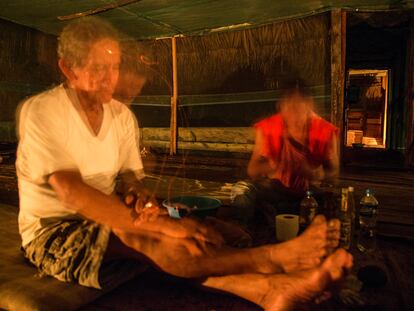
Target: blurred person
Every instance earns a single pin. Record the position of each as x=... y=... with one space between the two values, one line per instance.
x=135 y=68
x=295 y=150
x=75 y=139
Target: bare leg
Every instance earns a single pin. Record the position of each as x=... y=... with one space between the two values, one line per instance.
x=172 y=256
x=306 y=251
x=285 y=291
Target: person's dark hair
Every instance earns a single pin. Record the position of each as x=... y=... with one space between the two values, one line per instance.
x=294 y=86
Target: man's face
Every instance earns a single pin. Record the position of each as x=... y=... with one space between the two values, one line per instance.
x=97 y=78
x=295 y=110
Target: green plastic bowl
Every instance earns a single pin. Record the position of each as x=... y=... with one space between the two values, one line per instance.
x=198 y=206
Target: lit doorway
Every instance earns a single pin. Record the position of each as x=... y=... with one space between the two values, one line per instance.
x=366 y=106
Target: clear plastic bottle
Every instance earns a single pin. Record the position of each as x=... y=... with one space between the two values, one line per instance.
x=368 y=221
x=308 y=209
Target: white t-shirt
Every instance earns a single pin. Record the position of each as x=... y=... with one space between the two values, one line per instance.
x=54 y=136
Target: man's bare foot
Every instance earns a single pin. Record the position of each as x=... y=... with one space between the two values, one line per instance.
x=297 y=290
x=307 y=250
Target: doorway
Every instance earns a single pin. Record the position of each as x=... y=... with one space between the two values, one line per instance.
x=377 y=83
x=366 y=106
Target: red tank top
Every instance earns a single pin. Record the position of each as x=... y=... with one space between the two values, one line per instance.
x=281 y=151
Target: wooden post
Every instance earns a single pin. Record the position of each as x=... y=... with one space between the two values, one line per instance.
x=174 y=100
x=338 y=50
x=409 y=143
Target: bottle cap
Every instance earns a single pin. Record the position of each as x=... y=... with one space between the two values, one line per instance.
x=351 y=189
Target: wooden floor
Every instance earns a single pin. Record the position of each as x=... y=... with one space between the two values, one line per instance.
x=155 y=291
x=158 y=292
x=394 y=189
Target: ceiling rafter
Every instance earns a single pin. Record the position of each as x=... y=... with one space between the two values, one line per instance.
x=107 y=7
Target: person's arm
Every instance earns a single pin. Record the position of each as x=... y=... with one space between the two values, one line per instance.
x=259 y=166
x=90 y=202
x=331 y=165
x=136 y=195
x=109 y=210
x=326 y=173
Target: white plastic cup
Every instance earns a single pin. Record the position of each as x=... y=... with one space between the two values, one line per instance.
x=287 y=226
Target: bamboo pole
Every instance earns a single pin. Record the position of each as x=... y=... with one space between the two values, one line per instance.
x=174 y=100
x=338 y=50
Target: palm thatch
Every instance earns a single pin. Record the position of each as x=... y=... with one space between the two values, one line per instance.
x=160 y=70
x=217 y=62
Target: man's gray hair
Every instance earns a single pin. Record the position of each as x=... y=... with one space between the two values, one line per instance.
x=77 y=37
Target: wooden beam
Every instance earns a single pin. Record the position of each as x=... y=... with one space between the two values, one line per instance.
x=409 y=143
x=235 y=135
x=174 y=100
x=104 y=8
x=199 y=146
x=338 y=51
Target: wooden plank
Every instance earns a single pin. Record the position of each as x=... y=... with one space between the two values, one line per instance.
x=173 y=121
x=236 y=135
x=201 y=146
x=395 y=178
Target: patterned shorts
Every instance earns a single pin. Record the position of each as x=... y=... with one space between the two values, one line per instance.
x=73 y=251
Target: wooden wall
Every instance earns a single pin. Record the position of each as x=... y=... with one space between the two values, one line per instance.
x=28 y=65
x=211 y=139
x=222 y=76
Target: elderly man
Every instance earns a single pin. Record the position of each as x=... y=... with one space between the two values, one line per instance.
x=75 y=139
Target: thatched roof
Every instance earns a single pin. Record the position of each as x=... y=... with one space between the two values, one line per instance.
x=245 y=60
x=159 y=18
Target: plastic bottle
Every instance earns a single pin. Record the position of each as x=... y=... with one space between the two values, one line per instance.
x=346 y=220
x=308 y=208
x=368 y=221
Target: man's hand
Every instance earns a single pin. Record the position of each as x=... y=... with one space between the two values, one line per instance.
x=187 y=229
x=144 y=204
x=312 y=173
